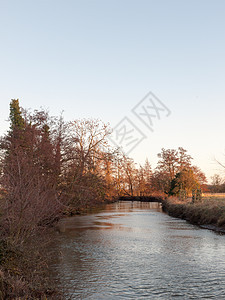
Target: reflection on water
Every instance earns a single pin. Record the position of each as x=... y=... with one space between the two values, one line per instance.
x=131 y=250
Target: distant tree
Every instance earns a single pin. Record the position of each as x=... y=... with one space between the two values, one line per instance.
x=184 y=180
x=168 y=162
x=89 y=137
x=161 y=181
x=216 y=180
x=174 y=172
x=119 y=174
x=188 y=179
x=147 y=172
x=199 y=175
x=216 y=183
x=129 y=175
x=172 y=161
x=109 y=174
x=140 y=182
x=144 y=179
x=85 y=172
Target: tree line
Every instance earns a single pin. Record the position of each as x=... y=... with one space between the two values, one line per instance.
x=50 y=167
x=217 y=184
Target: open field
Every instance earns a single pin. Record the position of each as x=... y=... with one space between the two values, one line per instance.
x=214 y=196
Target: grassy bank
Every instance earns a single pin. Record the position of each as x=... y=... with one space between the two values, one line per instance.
x=209 y=213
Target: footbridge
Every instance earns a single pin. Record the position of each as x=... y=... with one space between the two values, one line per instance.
x=141 y=198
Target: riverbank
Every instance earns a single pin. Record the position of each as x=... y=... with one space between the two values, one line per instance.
x=83 y=210
x=209 y=213
x=24 y=266
x=24 y=270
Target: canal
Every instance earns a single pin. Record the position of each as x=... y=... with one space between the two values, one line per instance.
x=132 y=250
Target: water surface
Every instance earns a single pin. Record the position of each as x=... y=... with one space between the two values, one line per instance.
x=131 y=250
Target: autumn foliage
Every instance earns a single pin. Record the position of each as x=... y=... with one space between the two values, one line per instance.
x=50 y=167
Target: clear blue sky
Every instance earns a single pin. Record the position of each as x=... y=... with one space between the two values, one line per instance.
x=99 y=58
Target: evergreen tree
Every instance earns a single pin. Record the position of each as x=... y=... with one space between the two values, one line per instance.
x=15 y=116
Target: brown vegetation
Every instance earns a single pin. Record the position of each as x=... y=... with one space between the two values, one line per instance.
x=50 y=168
x=24 y=272
x=206 y=212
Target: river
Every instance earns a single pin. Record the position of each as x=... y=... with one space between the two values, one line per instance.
x=132 y=250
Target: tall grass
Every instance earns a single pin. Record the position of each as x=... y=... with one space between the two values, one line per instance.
x=210 y=211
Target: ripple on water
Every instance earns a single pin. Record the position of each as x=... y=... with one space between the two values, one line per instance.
x=131 y=251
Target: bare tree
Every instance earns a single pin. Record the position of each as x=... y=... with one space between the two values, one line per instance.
x=90 y=136
x=84 y=179
x=172 y=161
